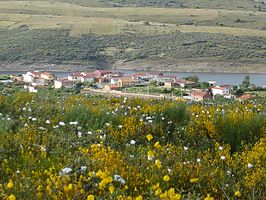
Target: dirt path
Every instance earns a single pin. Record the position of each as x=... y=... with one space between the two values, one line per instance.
x=124 y=94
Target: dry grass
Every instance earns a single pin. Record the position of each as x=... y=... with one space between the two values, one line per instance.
x=108 y=21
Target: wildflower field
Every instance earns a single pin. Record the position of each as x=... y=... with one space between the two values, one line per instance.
x=55 y=146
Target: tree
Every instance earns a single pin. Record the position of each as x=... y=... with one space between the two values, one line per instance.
x=193 y=78
x=246 y=82
x=239 y=92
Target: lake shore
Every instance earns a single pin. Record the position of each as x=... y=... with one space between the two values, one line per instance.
x=183 y=66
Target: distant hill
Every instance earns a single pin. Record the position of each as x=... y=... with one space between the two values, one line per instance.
x=114 y=32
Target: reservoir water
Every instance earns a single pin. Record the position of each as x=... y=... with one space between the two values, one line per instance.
x=259 y=79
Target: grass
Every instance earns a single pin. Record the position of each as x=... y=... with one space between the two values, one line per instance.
x=124 y=28
x=200 y=17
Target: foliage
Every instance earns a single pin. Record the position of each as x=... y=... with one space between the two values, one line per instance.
x=56 y=146
x=193 y=78
x=246 y=82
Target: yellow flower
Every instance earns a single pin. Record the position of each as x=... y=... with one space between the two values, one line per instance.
x=10 y=184
x=158 y=164
x=176 y=197
x=166 y=178
x=149 y=137
x=150 y=155
x=194 y=180
x=90 y=197
x=208 y=197
x=11 y=197
x=158 y=192
x=139 y=197
x=237 y=193
x=68 y=188
x=164 y=195
x=111 y=189
x=155 y=187
x=171 y=192
x=157 y=146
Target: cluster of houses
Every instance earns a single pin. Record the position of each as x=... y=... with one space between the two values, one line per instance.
x=112 y=80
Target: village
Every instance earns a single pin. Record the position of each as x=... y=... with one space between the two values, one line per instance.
x=116 y=83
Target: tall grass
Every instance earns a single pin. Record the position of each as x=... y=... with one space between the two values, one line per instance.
x=242 y=128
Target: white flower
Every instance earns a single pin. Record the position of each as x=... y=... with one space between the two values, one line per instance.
x=150 y=157
x=198 y=160
x=223 y=157
x=107 y=124
x=34 y=119
x=169 y=170
x=102 y=137
x=133 y=142
x=55 y=127
x=8 y=119
x=65 y=171
x=120 y=126
x=43 y=148
x=47 y=121
x=89 y=132
x=79 y=134
x=73 y=123
x=42 y=128
x=24 y=108
x=119 y=179
x=250 y=165
x=25 y=125
x=62 y=123
x=131 y=156
x=185 y=148
x=163 y=118
x=221 y=148
x=83 y=168
x=150 y=121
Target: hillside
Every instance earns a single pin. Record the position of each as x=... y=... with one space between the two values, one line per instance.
x=177 y=34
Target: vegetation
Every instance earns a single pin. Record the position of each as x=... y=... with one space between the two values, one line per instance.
x=55 y=146
x=112 y=32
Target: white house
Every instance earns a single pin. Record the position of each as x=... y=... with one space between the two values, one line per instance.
x=29 y=77
x=114 y=81
x=63 y=83
x=81 y=77
x=30 y=88
x=76 y=76
x=223 y=90
x=89 y=78
x=37 y=78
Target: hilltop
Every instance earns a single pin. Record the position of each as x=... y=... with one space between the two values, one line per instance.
x=177 y=35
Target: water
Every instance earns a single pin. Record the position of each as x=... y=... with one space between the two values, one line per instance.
x=259 y=79
x=220 y=78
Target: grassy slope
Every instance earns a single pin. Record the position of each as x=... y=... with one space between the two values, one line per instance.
x=67 y=22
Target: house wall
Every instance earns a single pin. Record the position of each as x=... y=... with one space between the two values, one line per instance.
x=225 y=91
x=57 y=84
x=83 y=79
x=47 y=76
x=28 y=78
